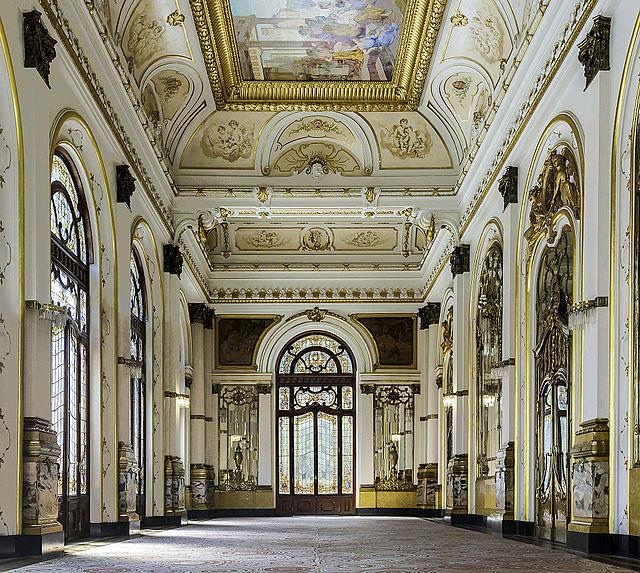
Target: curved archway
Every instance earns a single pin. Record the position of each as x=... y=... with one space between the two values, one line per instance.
x=315 y=437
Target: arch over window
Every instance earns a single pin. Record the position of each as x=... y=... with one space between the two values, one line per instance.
x=70 y=258
x=138 y=374
x=316 y=353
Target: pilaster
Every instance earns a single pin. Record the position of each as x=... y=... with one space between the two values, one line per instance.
x=127 y=484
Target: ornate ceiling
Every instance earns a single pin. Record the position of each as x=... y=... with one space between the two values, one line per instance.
x=317 y=134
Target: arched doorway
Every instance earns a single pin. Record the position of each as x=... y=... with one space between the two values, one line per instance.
x=315 y=426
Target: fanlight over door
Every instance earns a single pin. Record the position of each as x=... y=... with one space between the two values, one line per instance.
x=316 y=416
x=553 y=389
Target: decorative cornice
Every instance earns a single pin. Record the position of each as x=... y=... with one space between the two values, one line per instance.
x=39 y=46
x=460 y=260
x=593 y=51
x=508 y=186
x=125 y=185
x=429 y=314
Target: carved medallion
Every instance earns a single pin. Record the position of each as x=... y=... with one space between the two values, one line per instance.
x=429 y=314
x=508 y=186
x=460 y=260
x=125 y=185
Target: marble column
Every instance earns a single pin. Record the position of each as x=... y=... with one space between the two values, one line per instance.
x=174 y=475
x=199 y=314
x=463 y=488
x=210 y=423
x=265 y=453
x=428 y=487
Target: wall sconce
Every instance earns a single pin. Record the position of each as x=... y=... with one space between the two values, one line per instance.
x=57 y=315
x=584 y=312
x=134 y=366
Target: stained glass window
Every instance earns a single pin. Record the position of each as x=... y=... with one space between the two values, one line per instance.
x=315 y=404
x=70 y=342
x=138 y=374
x=316 y=353
x=304 y=448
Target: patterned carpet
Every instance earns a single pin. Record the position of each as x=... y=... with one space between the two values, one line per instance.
x=319 y=545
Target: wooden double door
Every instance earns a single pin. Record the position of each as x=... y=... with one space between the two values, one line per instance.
x=316 y=422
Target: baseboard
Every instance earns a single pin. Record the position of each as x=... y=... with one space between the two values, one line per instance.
x=12 y=546
x=153 y=521
x=115 y=529
x=201 y=513
x=244 y=512
x=517 y=528
x=465 y=519
x=400 y=512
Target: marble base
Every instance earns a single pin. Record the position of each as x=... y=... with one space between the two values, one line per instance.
x=115 y=529
x=428 y=487
x=30 y=545
x=174 y=487
x=40 y=479
x=198 y=488
x=505 y=480
x=590 y=480
x=457 y=485
x=127 y=483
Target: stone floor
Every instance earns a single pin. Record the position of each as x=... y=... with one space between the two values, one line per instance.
x=319 y=545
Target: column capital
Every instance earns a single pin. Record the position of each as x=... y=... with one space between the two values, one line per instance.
x=593 y=51
x=508 y=186
x=460 y=260
x=200 y=313
x=429 y=314
x=173 y=260
x=125 y=185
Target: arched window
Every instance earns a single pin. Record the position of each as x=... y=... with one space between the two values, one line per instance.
x=488 y=357
x=138 y=378
x=70 y=258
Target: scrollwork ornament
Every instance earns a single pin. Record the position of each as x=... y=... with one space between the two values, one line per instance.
x=557 y=187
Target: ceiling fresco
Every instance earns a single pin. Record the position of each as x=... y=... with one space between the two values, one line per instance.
x=317 y=40
x=322 y=135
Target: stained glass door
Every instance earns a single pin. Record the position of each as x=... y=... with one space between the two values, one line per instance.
x=315 y=428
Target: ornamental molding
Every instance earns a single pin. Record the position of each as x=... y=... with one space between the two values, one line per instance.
x=460 y=260
x=173 y=260
x=235 y=192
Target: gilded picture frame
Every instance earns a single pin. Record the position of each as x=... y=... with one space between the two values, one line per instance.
x=214 y=25
x=375 y=323
x=249 y=328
